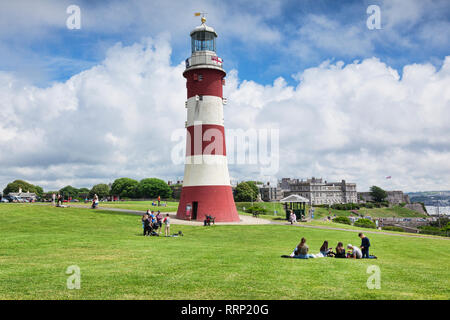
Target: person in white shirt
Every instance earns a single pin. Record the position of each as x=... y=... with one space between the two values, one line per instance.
x=356 y=252
x=293 y=217
x=166 y=222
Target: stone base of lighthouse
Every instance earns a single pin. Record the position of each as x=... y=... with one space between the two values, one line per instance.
x=216 y=201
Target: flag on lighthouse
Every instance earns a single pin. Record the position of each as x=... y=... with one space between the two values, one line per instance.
x=217 y=60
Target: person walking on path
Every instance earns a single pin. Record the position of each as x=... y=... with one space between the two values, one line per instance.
x=293 y=217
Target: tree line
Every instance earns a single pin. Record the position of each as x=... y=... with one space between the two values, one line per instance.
x=122 y=187
x=147 y=188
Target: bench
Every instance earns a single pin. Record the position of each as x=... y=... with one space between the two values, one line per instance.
x=208 y=220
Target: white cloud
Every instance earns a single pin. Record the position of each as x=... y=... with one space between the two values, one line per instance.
x=359 y=122
x=103 y=122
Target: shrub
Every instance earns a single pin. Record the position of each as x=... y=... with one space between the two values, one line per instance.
x=343 y=220
x=256 y=210
x=345 y=206
x=434 y=231
x=365 y=223
x=368 y=205
x=393 y=228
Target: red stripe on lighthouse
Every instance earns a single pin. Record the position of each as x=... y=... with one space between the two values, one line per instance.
x=204 y=82
x=206 y=139
x=216 y=201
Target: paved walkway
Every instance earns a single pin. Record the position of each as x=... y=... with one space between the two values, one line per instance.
x=245 y=220
x=249 y=220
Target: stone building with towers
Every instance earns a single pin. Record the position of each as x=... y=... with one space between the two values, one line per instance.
x=319 y=191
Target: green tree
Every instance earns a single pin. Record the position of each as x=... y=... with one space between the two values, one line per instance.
x=69 y=191
x=39 y=191
x=252 y=185
x=20 y=184
x=378 y=194
x=101 y=190
x=125 y=187
x=244 y=192
x=153 y=187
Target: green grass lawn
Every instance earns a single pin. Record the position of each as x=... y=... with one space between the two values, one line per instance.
x=395 y=211
x=331 y=224
x=319 y=213
x=38 y=243
x=141 y=205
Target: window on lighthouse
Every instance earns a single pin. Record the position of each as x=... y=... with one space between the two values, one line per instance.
x=203 y=41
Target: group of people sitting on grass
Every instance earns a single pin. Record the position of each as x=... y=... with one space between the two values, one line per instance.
x=302 y=250
x=151 y=222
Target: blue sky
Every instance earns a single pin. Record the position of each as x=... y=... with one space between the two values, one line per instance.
x=87 y=106
x=279 y=35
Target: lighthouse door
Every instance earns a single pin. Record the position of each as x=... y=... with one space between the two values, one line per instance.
x=194 y=210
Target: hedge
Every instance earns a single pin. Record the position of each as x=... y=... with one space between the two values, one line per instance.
x=365 y=223
x=393 y=228
x=343 y=220
x=256 y=210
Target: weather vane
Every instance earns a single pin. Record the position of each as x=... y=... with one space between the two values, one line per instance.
x=203 y=14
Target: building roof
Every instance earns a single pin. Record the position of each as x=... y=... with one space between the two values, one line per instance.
x=22 y=194
x=294 y=198
x=204 y=27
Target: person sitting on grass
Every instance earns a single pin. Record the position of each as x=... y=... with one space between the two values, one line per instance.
x=166 y=222
x=324 y=250
x=340 y=251
x=292 y=217
x=365 y=244
x=302 y=250
x=355 y=253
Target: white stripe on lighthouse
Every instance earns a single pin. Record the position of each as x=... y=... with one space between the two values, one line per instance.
x=209 y=110
x=206 y=170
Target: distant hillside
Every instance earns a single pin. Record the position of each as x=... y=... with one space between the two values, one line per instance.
x=431 y=198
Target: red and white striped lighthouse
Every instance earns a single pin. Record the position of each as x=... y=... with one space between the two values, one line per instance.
x=206 y=184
